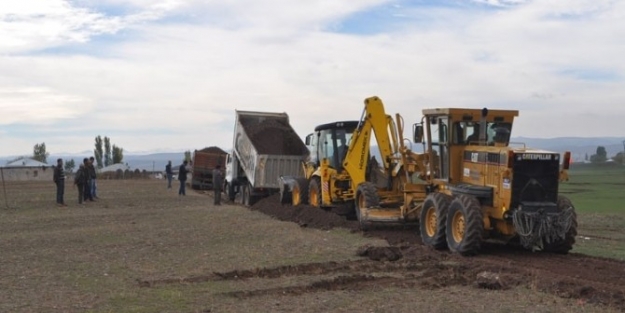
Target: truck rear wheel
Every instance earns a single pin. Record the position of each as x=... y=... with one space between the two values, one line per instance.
x=229 y=190
x=314 y=192
x=566 y=244
x=465 y=226
x=433 y=220
x=366 y=197
x=245 y=194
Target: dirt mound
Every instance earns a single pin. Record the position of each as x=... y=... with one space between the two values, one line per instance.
x=213 y=149
x=274 y=137
x=304 y=215
x=380 y=253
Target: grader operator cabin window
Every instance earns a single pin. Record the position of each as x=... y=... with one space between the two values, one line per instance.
x=468 y=133
x=440 y=146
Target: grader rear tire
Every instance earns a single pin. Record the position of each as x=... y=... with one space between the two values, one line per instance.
x=564 y=246
x=433 y=220
x=465 y=225
x=366 y=197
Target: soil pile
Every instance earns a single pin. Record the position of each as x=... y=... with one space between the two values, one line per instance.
x=213 y=149
x=304 y=215
x=273 y=136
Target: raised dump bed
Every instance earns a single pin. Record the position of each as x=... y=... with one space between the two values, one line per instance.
x=265 y=147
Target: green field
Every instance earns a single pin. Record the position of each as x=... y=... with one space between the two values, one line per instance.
x=598 y=193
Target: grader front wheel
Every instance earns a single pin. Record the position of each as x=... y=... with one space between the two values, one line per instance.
x=465 y=226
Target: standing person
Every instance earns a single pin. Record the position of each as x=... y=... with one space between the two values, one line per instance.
x=182 y=177
x=218 y=181
x=93 y=174
x=59 y=180
x=87 y=186
x=169 y=174
x=80 y=180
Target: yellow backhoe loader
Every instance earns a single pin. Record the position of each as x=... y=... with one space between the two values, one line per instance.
x=469 y=185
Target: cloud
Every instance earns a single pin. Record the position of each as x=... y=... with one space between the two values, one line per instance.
x=37 y=105
x=171 y=73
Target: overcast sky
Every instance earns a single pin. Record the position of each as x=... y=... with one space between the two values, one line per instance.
x=167 y=75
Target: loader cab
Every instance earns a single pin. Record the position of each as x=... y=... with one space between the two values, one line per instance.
x=330 y=141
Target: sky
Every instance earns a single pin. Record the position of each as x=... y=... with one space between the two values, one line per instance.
x=168 y=75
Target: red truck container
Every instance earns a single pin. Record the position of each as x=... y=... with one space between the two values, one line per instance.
x=204 y=162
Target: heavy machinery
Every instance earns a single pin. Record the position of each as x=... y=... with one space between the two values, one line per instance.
x=265 y=147
x=204 y=162
x=469 y=185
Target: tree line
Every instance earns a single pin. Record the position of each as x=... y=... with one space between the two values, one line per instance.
x=601 y=156
x=104 y=154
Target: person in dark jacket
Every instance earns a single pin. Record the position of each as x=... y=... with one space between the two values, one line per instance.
x=169 y=174
x=87 y=186
x=80 y=180
x=218 y=181
x=59 y=180
x=92 y=175
x=182 y=177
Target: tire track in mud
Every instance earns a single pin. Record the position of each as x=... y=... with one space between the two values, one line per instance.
x=426 y=272
x=554 y=276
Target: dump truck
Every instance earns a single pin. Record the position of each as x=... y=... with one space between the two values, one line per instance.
x=471 y=184
x=204 y=162
x=265 y=147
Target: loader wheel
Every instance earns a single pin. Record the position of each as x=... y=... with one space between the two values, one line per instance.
x=299 y=191
x=314 y=192
x=366 y=197
x=564 y=246
x=465 y=226
x=433 y=220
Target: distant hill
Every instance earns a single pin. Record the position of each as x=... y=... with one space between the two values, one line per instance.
x=579 y=147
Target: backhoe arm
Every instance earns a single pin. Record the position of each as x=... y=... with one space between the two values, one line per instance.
x=374 y=119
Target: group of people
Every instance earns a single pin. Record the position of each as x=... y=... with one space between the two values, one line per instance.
x=183 y=170
x=84 y=180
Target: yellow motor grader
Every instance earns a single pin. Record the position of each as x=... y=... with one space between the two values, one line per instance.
x=469 y=185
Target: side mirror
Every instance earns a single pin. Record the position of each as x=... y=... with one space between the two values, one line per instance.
x=417 y=132
x=309 y=139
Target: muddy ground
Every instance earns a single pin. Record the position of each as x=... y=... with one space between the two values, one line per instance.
x=142 y=248
x=585 y=278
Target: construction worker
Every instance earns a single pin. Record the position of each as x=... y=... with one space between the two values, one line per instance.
x=218 y=181
x=59 y=180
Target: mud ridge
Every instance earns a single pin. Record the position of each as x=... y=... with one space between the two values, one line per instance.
x=348 y=282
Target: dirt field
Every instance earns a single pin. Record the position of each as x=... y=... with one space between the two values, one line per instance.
x=141 y=248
